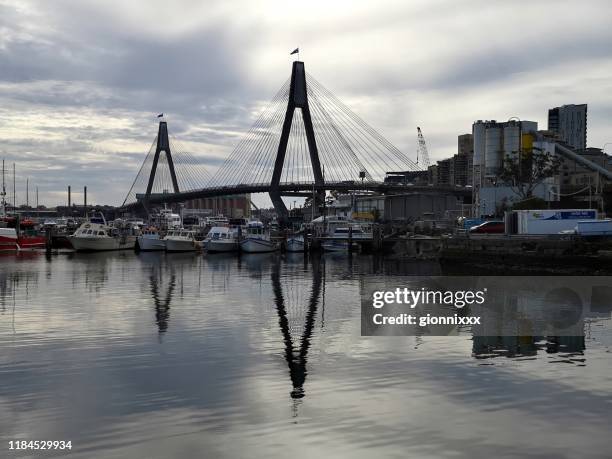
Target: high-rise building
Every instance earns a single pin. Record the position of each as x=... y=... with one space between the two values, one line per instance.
x=465 y=144
x=569 y=122
x=462 y=161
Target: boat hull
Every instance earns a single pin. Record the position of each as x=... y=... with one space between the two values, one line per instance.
x=175 y=245
x=336 y=246
x=149 y=244
x=31 y=242
x=295 y=245
x=215 y=246
x=99 y=244
x=252 y=245
x=8 y=240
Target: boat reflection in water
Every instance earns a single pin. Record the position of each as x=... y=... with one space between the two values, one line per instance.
x=210 y=351
x=162 y=301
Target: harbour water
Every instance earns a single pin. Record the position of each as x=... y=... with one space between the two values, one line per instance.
x=182 y=355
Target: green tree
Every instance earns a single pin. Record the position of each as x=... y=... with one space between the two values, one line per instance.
x=525 y=171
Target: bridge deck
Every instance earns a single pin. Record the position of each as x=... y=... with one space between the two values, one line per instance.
x=347 y=187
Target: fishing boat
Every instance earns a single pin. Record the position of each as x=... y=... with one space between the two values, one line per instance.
x=150 y=240
x=221 y=239
x=15 y=234
x=257 y=239
x=295 y=243
x=180 y=240
x=96 y=235
x=8 y=240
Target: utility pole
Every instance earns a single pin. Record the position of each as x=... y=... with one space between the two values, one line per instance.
x=28 y=192
x=36 y=198
x=14 y=190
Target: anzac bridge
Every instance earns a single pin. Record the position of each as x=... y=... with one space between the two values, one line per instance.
x=305 y=142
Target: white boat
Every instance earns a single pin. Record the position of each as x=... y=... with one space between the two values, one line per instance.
x=219 y=220
x=295 y=243
x=341 y=237
x=96 y=235
x=166 y=219
x=257 y=239
x=150 y=240
x=221 y=239
x=180 y=240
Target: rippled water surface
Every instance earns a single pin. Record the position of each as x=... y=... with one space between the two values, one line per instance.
x=181 y=355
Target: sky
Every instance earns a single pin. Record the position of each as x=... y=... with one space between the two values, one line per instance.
x=81 y=82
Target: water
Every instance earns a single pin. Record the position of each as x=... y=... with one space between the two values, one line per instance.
x=174 y=356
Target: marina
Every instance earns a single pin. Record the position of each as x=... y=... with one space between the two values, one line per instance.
x=392 y=239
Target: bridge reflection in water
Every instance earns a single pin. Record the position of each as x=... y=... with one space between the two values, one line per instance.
x=297 y=357
x=297 y=296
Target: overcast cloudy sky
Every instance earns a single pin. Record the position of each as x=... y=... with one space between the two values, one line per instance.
x=81 y=81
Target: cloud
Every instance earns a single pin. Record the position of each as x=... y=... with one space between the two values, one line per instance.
x=81 y=82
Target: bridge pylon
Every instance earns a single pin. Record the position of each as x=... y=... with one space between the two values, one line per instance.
x=298 y=98
x=163 y=145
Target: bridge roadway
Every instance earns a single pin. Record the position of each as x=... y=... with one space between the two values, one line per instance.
x=298 y=189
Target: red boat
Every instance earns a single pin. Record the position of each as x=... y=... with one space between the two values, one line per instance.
x=31 y=242
x=8 y=239
x=10 y=242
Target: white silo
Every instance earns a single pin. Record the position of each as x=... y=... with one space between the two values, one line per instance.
x=478 y=132
x=512 y=139
x=493 y=149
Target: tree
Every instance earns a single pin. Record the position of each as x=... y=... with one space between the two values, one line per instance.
x=525 y=171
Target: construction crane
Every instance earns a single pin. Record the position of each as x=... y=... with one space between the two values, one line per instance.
x=422 y=154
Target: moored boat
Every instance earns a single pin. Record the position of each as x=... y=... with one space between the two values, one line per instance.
x=295 y=243
x=221 y=239
x=342 y=238
x=8 y=240
x=180 y=240
x=33 y=242
x=257 y=239
x=96 y=235
x=150 y=240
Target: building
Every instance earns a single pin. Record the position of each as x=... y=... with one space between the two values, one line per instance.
x=462 y=164
x=465 y=144
x=569 y=122
x=457 y=170
x=234 y=206
x=579 y=183
x=415 y=206
x=443 y=172
x=493 y=142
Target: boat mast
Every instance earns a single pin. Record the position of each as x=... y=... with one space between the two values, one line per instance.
x=14 y=191
x=3 y=193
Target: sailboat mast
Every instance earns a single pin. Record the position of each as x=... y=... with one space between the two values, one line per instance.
x=3 y=194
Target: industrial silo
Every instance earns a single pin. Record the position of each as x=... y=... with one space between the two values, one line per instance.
x=493 y=149
x=478 y=132
x=512 y=139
